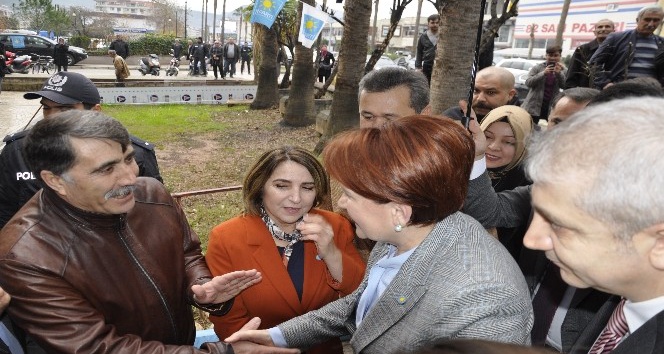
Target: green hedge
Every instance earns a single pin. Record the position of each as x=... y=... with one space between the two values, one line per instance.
x=151 y=44
x=80 y=41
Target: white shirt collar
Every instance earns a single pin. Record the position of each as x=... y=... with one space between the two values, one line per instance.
x=638 y=313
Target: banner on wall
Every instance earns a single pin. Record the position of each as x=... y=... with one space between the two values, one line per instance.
x=181 y=95
x=312 y=24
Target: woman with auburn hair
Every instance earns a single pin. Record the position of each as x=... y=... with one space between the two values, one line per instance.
x=306 y=255
x=434 y=273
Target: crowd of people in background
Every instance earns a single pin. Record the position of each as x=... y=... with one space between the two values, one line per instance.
x=222 y=58
x=505 y=237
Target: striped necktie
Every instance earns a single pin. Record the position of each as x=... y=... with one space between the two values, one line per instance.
x=614 y=331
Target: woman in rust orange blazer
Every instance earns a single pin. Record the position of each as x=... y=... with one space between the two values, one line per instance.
x=306 y=255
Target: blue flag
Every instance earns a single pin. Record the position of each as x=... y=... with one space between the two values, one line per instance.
x=312 y=24
x=266 y=11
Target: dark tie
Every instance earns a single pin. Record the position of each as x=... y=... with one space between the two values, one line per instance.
x=546 y=302
x=614 y=331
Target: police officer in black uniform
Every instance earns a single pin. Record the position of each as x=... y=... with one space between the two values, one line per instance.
x=62 y=91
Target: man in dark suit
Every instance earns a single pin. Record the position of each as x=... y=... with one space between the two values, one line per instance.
x=600 y=220
x=578 y=73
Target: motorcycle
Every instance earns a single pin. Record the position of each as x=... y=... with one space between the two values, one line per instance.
x=174 y=67
x=18 y=64
x=149 y=65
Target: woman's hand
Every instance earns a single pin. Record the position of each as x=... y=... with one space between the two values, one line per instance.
x=315 y=228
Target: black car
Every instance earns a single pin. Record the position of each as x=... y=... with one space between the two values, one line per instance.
x=21 y=44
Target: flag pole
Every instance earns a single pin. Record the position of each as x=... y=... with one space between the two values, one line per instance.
x=476 y=60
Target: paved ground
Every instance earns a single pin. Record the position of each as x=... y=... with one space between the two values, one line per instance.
x=18 y=111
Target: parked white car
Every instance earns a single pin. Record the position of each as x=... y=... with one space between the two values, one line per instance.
x=384 y=61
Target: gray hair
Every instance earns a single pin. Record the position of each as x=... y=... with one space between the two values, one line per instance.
x=48 y=145
x=610 y=156
x=648 y=9
x=112 y=51
x=576 y=94
x=388 y=78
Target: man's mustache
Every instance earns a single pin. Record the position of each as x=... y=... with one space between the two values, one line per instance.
x=120 y=192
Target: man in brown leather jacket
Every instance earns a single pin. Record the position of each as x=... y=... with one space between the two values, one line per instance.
x=102 y=261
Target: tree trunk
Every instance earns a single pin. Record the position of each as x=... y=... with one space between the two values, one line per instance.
x=267 y=93
x=344 y=112
x=451 y=76
x=561 y=23
x=285 y=80
x=222 y=34
x=300 y=110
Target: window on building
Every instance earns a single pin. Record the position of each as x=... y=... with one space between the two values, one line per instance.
x=523 y=43
x=504 y=34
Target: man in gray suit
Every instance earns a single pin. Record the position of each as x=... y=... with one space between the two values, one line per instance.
x=599 y=215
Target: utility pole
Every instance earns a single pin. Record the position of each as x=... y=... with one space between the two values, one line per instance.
x=417 y=27
x=223 y=23
x=214 y=21
x=205 y=38
x=239 y=28
x=374 y=28
x=203 y=20
x=185 y=20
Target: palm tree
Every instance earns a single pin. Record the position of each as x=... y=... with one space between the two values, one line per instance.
x=452 y=68
x=267 y=93
x=344 y=112
x=301 y=109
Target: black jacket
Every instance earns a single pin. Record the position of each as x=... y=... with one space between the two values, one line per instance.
x=579 y=69
x=218 y=52
x=615 y=54
x=18 y=184
x=177 y=50
x=426 y=52
x=198 y=50
x=120 y=47
x=60 y=54
x=245 y=52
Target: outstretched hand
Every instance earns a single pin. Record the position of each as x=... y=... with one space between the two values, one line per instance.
x=251 y=340
x=225 y=287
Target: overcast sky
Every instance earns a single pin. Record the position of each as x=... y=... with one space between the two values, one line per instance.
x=383 y=7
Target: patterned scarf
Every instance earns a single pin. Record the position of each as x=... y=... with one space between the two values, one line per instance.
x=279 y=234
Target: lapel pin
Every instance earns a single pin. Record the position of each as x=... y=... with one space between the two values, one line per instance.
x=401 y=300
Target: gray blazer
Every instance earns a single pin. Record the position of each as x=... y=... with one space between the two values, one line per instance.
x=509 y=208
x=459 y=283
